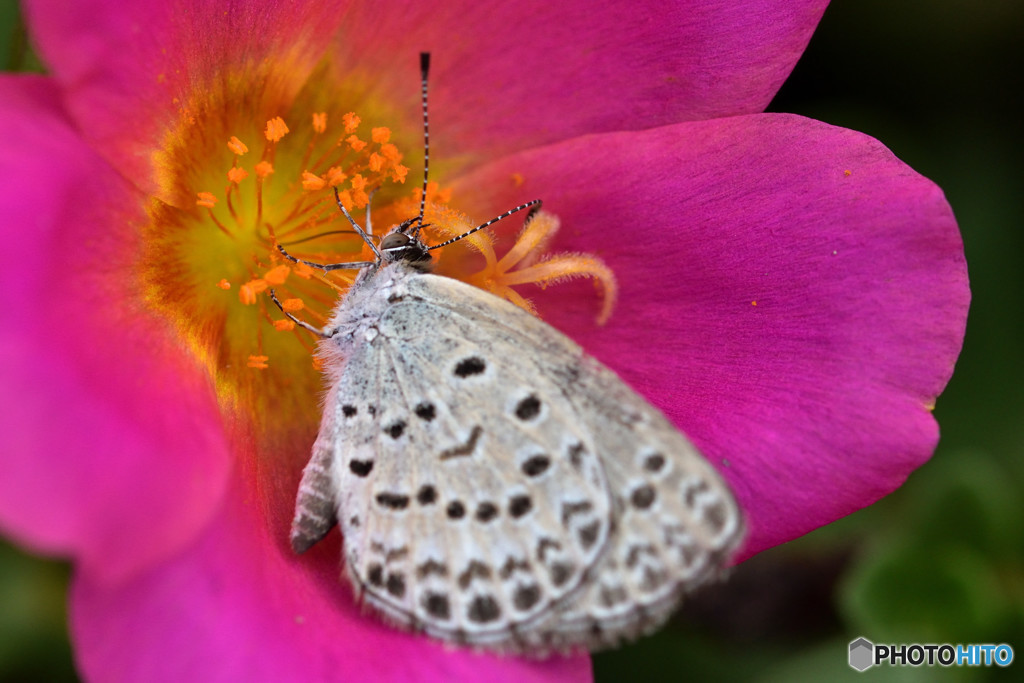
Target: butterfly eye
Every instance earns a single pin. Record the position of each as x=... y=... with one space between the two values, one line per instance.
x=395 y=240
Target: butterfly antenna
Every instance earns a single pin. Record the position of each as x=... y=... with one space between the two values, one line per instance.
x=358 y=228
x=534 y=206
x=424 y=73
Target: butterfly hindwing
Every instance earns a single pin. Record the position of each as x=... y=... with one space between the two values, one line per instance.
x=674 y=519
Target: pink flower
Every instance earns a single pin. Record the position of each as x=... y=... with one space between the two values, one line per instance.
x=790 y=294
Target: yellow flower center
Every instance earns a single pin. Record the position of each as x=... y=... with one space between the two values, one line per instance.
x=209 y=266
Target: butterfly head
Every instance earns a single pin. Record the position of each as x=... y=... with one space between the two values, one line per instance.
x=397 y=246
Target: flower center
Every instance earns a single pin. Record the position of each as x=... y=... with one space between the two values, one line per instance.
x=258 y=218
x=273 y=184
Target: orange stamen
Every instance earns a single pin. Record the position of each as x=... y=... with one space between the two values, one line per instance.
x=304 y=271
x=320 y=121
x=276 y=276
x=351 y=122
x=535 y=237
x=237 y=174
x=237 y=146
x=311 y=181
x=335 y=176
x=263 y=169
x=276 y=129
x=247 y=292
x=357 y=170
x=499 y=277
x=564 y=267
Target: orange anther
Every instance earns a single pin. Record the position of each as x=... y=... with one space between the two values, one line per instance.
x=376 y=162
x=247 y=292
x=206 y=199
x=258 y=362
x=277 y=275
x=360 y=199
x=292 y=305
x=358 y=181
x=391 y=153
x=284 y=325
x=335 y=177
x=380 y=135
x=237 y=174
x=237 y=146
x=224 y=284
x=276 y=129
x=351 y=122
x=311 y=181
x=355 y=143
x=264 y=168
x=320 y=121
x=399 y=172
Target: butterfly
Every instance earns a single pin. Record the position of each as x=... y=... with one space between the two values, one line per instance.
x=494 y=484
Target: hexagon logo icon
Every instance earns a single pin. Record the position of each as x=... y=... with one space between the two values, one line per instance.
x=862 y=654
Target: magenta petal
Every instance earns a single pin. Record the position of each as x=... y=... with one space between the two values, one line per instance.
x=111 y=445
x=513 y=75
x=128 y=68
x=792 y=295
x=238 y=606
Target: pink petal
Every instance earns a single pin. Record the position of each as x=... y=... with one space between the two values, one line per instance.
x=239 y=606
x=508 y=76
x=112 y=444
x=129 y=68
x=815 y=401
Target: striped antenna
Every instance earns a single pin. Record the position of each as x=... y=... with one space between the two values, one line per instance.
x=534 y=205
x=424 y=73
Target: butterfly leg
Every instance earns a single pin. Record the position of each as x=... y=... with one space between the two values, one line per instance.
x=300 y=323
x=354 y=265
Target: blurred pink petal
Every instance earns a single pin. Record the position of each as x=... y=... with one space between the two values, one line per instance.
x=509 y=76
x=112 y=445
x=238 y=606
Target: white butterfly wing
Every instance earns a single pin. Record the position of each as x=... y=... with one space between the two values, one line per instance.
x=675 y=520
x=471 y=501
x=497 y=486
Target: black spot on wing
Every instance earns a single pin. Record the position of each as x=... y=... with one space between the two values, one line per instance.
x=467 y=367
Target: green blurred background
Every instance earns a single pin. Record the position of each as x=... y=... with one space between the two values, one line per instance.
x=940 y=560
